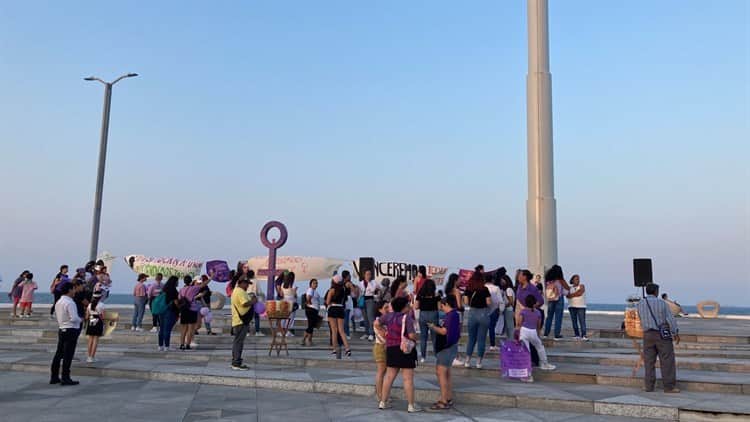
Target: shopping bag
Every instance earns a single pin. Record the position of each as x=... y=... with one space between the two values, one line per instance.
x=515 y=359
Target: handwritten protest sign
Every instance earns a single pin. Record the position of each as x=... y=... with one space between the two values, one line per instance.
x=166 y=266
x=218 y=270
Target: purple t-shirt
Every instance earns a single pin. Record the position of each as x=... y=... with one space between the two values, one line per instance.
x=392 y=320
x=452 y=323
x=530 y=289
x=530 y=318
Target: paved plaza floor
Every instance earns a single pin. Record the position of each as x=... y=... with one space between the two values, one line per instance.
x=27 y=397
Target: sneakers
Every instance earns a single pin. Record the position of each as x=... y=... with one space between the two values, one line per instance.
x=242 y=367
x=576 y=338
x=557 y=338
x=493 y=349
x=132 y=328
x=259 y=334
x=414 y=408
x=479 y=365
x=289 y=334
x=584 y=338
x=467 y=364
x=383 y=405
x=529 y=379
x=348 y=337
x=138 y=329
x=363 y=337
x=155 y=330
x=672 y=391
x=421 y=360
x=193 y=345
x=90 y=360
x=547 y=367
x=161 y=348
x=370 y=338
x=457 y=362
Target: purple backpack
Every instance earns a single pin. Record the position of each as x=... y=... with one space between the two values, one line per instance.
x=515 y=359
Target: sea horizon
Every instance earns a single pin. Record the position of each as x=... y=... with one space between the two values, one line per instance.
x=127 y=299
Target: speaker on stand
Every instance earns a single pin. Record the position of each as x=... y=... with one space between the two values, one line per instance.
x=642 y=273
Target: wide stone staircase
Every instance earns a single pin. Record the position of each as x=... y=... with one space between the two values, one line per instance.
x=594 y=377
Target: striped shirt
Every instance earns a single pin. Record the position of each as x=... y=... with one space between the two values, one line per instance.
x=661 y=313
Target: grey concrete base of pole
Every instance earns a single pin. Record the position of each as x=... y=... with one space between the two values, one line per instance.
x=541 y=208
x=100 y=173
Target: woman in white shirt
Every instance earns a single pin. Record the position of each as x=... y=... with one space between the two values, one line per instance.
x=577 y=306
x=289 y=292
x=312 y=306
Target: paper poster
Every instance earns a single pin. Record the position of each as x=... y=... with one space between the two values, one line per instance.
x=218 y=270
x=166 y=266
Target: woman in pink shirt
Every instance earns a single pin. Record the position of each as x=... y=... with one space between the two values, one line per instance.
x=27 y=295
x=139 y=302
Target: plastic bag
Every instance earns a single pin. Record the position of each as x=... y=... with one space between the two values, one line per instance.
x=515 y=359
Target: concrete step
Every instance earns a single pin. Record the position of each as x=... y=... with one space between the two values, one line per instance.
x=602 y=400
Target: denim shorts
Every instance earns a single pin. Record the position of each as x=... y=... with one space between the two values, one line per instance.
x=446 y=356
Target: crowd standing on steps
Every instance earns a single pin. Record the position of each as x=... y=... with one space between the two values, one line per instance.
x=407 y=323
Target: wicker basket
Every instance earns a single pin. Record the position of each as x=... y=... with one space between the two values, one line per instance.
x=633 y=323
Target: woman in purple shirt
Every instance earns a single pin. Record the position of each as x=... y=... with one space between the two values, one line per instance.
x=397 y=322
x=525 y=288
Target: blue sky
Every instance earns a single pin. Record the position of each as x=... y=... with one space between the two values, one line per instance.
x=390 y=129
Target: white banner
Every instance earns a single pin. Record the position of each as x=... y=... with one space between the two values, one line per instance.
x=303 y=267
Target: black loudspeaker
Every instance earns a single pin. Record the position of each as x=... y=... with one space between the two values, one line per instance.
x=366 y=264
x=642 y=274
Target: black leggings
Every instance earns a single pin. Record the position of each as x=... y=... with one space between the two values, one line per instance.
x=57 y=296
x=312 y=319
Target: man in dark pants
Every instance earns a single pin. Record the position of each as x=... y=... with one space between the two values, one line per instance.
x=654 y=312
x=242 y=314
x=67 y=336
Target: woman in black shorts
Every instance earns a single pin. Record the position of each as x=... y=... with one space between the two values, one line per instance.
x=399 y=323
x=94 y=325
x=335 y=300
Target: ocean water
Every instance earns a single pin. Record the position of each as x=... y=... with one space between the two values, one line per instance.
x=126 y=299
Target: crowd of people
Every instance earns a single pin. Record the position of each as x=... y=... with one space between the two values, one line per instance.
x=406 y=324
x=401 y=321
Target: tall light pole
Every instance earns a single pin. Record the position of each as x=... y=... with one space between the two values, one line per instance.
x=541 y=209
x=102 y=159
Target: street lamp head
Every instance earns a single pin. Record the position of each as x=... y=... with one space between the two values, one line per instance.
x=130 y=75
x=90 y=78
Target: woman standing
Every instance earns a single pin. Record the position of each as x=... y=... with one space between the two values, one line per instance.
x=497 y=306
x=312 y=306
x=477 y=299
x=450 y=333
x=555 y=289
x=152 y=291
x=427 y=304
x=577 y=306
x=169 y=317
x=510 y=299
x=335 y=301
x=95 y=327
x=15 y=292
x=451 y=289
x=289 y=295
x=399 y=325
x=188 y=312
x=139 y=302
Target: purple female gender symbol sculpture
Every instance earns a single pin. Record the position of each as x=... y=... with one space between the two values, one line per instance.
x=272 y=245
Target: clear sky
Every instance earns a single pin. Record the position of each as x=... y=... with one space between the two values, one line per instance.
x=389 y=129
